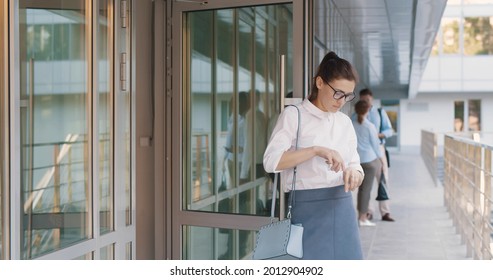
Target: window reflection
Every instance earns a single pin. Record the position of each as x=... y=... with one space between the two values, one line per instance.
x=108 y=252
x=470 y=109
x=474 y=115
x=105 y=128
x=217 y=243
x=478 y=32
x=233 y=85
x=458 y=116
x=54 y=135
x=450 y=35
x=233 y=102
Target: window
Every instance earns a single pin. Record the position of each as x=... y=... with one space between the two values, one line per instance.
x=478 y=35
x=232 y=93
x=450 y=35
x=56 y=202
x=67 y=129
x=471 y=109
x=474 y=115
x=459 y=116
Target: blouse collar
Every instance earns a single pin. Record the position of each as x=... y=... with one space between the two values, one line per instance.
x=314 y=110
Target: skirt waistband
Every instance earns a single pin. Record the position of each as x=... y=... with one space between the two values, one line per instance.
x=321 y=194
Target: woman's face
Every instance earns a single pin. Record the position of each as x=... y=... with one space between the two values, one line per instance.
x=325 y=100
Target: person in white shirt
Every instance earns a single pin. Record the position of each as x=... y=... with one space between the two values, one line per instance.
x=328 y=164
x=256 y=126
x=231 y=148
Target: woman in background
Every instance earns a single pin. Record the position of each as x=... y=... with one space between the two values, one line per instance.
x=370 y=156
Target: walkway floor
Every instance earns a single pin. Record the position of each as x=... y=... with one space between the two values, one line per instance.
x=423 y=229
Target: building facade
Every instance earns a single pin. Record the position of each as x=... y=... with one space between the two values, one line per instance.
x=456 y=87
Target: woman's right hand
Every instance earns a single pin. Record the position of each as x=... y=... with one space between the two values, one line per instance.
x=332 y=158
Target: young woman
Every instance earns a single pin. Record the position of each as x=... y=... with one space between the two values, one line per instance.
x=328 y=164
x=370 y=156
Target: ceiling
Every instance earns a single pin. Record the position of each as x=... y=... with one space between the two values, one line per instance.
x=394 y=38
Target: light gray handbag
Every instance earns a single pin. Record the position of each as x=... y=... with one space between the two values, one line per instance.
x=280 y=239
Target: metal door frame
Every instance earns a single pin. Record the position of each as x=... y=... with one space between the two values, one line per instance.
x=174 y=156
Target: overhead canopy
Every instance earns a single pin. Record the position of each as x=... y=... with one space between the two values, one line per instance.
x=394 y=39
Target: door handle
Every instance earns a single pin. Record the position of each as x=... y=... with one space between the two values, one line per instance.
x=282 y=80
x=282 y=92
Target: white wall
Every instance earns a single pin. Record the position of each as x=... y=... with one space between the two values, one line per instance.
x=435 y=111
x=432 y=113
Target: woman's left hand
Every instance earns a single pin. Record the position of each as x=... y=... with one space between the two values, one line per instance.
x=352 y=179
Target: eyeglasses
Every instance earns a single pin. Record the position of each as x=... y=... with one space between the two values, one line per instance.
x=339 y=94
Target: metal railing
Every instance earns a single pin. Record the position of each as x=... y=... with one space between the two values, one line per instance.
x=468 y=193
x=429 y=152
x=58 y=205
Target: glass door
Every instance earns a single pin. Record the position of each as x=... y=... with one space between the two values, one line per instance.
x=231 y=76
x=65 y=75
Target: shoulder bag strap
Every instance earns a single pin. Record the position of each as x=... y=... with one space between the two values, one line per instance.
x=295 y=169
x=274 y=187
x=381 y=123
x=381 y=119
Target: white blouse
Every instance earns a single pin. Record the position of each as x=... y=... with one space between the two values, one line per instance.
x=318 y=128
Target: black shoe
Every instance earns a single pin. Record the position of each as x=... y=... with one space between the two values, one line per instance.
x=387 y=218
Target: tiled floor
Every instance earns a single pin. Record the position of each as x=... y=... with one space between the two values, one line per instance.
x=423 y=229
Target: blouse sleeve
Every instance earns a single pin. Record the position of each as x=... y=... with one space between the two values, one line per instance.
x=353 y=148
x=281 y=139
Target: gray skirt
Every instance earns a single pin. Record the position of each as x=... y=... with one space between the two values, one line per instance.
x=330 y=225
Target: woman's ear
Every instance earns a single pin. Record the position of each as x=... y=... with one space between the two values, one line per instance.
x=319 y=82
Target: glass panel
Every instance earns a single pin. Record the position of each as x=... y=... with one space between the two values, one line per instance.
x=474 y=115
x=450 y=35
x=204 y=243
x=234 y=58
x=245 y=75
x=478 y=32
x=108 y=252
x=233 y=103
x=128 y=251
x=86 y=257
x=105 y=120
x=226 y=103
x=458 y=116
x=53 y=94
x=201 y=106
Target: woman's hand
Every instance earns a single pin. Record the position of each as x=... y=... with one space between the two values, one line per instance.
x=332 y=158
x=352 y=179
